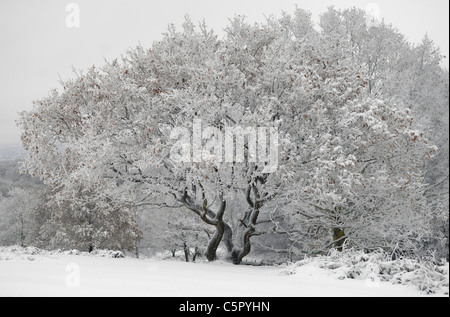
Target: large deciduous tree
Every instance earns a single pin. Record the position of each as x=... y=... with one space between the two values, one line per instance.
x=347 y=169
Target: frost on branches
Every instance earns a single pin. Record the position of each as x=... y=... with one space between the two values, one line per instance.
x=349 y=167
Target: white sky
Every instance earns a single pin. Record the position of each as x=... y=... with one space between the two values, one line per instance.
x=36 y=46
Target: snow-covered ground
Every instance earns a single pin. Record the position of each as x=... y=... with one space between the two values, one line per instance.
x=34 y=273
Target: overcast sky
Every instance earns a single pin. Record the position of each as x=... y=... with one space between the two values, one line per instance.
x=37 y=46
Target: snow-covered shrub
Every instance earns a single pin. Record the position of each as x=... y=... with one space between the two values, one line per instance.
x=14 y=252
x=108 y=254
x=31 y=253
x=428 y=275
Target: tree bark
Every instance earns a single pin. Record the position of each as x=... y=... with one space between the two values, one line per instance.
x=213 y=219
x=238 y=255
x=213 y=245
x=338 y=235
x=252 y=217
x=223 y=233
x=186 y=252
x=194 y=256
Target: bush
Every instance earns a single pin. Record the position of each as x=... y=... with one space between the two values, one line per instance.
x=428 y=274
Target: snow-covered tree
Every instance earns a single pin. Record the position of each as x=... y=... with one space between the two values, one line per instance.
x=333 y=163
x=16 y=223
x=87 y=222
x=187 y=234
x=409 y=75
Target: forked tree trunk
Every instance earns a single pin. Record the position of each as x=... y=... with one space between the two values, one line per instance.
x=251 y=218
x=213 y=219
x=223 y=232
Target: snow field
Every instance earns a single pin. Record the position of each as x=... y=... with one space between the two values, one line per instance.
x=61 y=274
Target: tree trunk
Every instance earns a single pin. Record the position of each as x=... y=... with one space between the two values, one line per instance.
x=338 y=236
x=223 y=233
x=238 y=255
x=186 y=252
x=22 y=232
x=249 y=222
x=195 y=254
x=213 y=219
x=137 y=249
x=213 y=245
x=228 y=237
x=252 y=216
